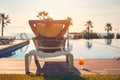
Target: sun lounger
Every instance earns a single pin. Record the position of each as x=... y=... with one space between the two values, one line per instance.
x=6 y=40
x=48 y=47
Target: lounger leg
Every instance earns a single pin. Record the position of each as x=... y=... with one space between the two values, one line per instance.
x=67 y=58
x=35 y=58
x=70 y=59
x=27 y=63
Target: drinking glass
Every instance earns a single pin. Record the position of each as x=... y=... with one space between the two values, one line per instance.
x=81 y=62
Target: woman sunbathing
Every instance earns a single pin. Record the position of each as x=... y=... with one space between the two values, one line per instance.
x=49 y=27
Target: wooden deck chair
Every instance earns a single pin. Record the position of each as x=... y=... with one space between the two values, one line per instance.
x=48 y=47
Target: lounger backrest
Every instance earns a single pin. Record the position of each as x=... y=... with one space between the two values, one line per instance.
x=49 y=42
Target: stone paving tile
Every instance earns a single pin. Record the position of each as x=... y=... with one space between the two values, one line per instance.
x=59 y=66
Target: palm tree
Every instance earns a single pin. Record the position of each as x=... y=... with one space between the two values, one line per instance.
x=108 y=28
x=71 y=23
x=4 y=20
x=42 y=15
x=89 y=26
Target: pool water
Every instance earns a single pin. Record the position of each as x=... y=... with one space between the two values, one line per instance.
x=95 y=48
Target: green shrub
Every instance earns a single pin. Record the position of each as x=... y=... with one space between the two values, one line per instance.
x=59 y=77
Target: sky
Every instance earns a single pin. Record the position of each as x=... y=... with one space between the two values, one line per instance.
x=99 y=12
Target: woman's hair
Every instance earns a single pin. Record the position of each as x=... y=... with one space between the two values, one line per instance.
x=49 y=18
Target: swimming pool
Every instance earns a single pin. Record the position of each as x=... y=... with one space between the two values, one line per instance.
x=95 y=48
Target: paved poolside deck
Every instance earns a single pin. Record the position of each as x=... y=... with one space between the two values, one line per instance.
x=59 y=66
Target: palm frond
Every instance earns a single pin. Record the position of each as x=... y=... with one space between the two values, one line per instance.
x=69 y=18
x=42 y=15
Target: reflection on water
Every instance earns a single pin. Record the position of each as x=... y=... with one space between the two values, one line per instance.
x=14 y=53
x=24 y=49
x=88 y=44
x=69 y=47
x=108 y=41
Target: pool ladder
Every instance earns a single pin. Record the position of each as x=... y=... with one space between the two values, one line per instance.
x=24 y=36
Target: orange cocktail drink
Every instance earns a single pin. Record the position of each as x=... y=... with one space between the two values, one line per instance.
x=81 y=62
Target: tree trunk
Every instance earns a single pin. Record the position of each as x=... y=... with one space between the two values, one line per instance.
x=2 y=26
x=88 y=32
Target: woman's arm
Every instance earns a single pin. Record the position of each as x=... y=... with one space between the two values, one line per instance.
x=48 y=22
x=64 y=30
x=32 y=24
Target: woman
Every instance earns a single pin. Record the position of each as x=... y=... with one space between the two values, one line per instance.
x=49 y=27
